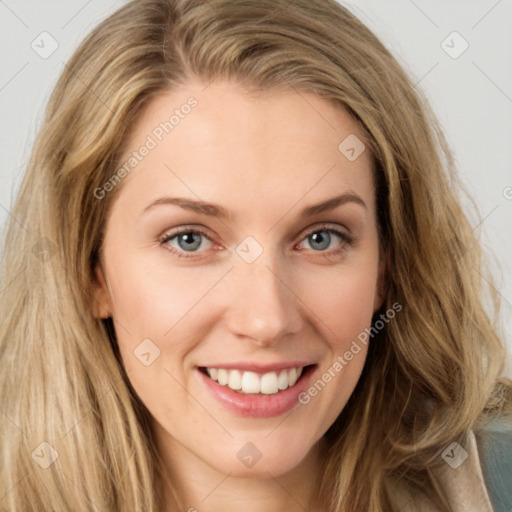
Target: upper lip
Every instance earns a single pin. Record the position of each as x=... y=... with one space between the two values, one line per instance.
x=260 y=368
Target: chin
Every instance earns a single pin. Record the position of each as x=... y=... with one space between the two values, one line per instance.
x=260 y=454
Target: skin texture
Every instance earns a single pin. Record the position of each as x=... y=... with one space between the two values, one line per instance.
x=264 y=158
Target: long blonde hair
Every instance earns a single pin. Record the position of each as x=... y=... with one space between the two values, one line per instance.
x=431 y=372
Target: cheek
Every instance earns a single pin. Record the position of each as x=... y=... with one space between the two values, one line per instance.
x=157 y=309
x=153 y=308
x=342 y=299
x=151 y=300
x=343 y=306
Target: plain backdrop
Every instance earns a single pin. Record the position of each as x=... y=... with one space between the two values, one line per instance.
x=457 y=51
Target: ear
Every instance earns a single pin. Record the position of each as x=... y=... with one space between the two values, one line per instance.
x=382 y=288
x=102 y=302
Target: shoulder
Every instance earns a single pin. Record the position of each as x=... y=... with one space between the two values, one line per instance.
x=470 y=474
x=494 y=442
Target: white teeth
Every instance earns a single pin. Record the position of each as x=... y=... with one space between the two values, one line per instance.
x=292 y=376
x=223 y=377
x=282 y=381
x=251 y=382
x=235 y=380
x=269 y=383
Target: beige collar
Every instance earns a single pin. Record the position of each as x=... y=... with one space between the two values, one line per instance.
x=463 y=483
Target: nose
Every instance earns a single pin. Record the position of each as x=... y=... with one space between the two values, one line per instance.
x=262 y=304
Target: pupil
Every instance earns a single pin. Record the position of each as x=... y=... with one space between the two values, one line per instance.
x=322 y=239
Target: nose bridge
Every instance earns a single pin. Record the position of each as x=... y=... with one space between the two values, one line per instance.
x=262 y=307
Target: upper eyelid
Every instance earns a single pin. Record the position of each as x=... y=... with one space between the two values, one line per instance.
x=171 y=233
x=194 y=227
x=325 y=226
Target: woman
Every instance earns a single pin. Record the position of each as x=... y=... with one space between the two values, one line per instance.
x=248 y=283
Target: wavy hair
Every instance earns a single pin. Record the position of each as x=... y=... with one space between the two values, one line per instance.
x=431 y=374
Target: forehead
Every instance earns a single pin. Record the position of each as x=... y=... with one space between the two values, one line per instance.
x=224 y=141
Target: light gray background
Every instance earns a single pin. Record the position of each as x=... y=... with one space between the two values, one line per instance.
x=471 y=94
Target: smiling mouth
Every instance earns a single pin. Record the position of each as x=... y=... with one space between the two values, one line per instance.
x=249 y=383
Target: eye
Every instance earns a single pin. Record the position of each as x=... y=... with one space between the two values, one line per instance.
x=326 y=239
x=186 y=240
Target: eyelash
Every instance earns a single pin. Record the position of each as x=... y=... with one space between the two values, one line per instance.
x=346 y=240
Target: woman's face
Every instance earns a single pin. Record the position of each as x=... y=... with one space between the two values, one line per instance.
x=240 y=251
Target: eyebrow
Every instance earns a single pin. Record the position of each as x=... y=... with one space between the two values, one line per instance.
x=330 y=204
x=197 y=206
x=214 y=210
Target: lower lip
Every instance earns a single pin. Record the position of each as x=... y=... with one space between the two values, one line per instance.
x=258 y=405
